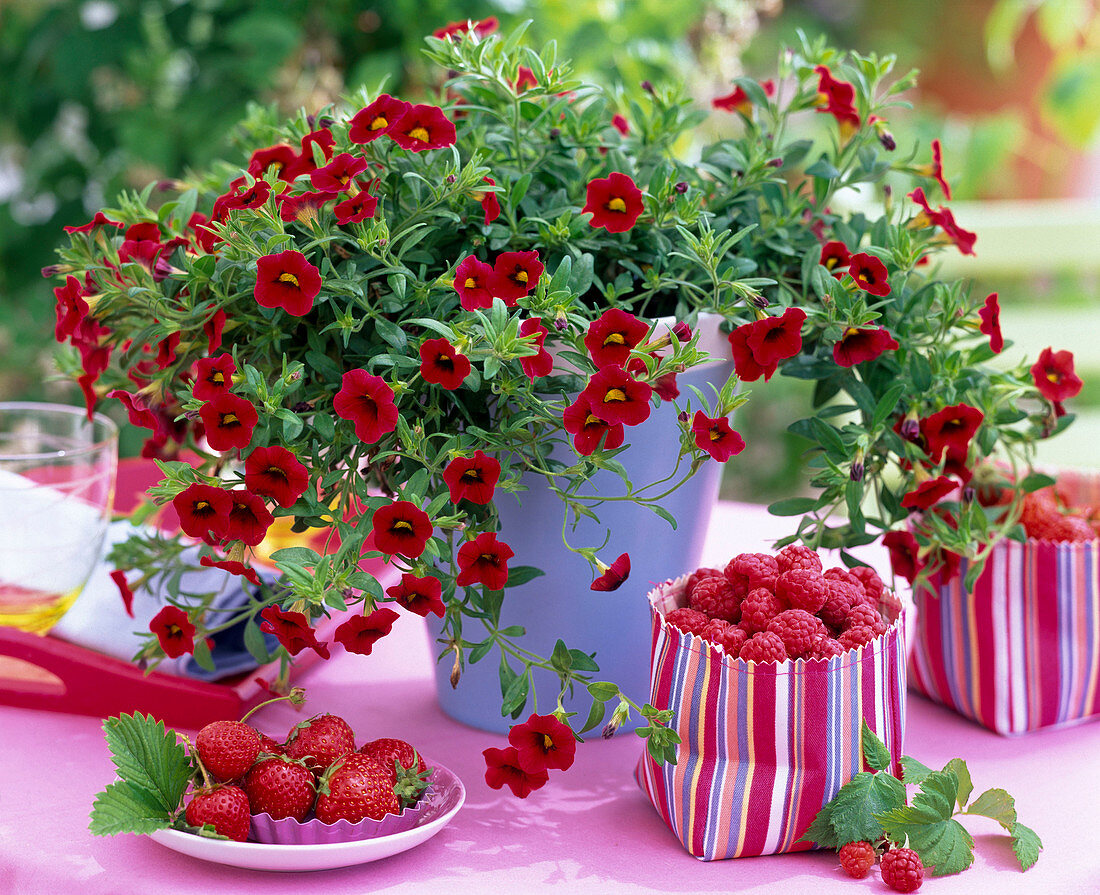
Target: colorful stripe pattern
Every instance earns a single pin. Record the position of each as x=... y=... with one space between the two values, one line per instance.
x=763 y=746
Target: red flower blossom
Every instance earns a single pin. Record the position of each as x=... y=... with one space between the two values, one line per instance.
x=541 y=364
x=525 y=78
x=612 y=336
x=484 y=560
x=276 y=473
x=338 y=174
x=929 y=492
x=869 y=273
x=229 y=420
x=137 y=410
x=738 y=100
x=303 y=207
x=776 y=338
x=367 y=401
x=963 y=239
x=480 y=28
x=473 y=280
x=281 y=157
x=442 y=365
x=859 y=345
x=613 y=575
x=100 y=220
x=241 y=195
x=543 y=743
x=588 y=429
x=617 y=397
x=490 y=204
x=174 y=631
x=232 y=566
x=356 y=208
x=203 y=511
x=166 y=350
x=376 y=119
x=293 y=631
x=360 y=633
x=716 y=437
x=836 y=257
x=744 y=362
x=288 y=281
x=304 y=163
x=212 y=329
x=1054 y=376
x=615 y=202
x=71 y=308
x=990 y=315
x=620 y=124
x=401 y=528
x=502 y=767
x=935 y=169
x=213 y=376
x=837 y=98
x=249 y=519
x=515 y=274
x=419 y=595
x=423 y=127
x=472 y=478
x=950 y=429
x=904 y=560
x=119 y=578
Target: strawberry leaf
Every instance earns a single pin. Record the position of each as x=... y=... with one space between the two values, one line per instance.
x=996 y=804
x=875 y=753
x=942 y=842
x=1026 y=845
x=125 y=808
x=149 y=758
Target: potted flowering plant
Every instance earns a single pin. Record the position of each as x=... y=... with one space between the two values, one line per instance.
x=394 y=314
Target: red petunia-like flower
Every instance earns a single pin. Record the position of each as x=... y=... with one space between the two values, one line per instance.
x=943 y=218
x=442 y=365
x=935 y=169
x=515 y=274
x=617 y=397
x=929 y=492
x=292 y=630
x=541 y=364
x=620 y=124
x=950 y=429
x=174 y=631
x=1054 y=376
x=356 y=208
x=276 y=473
x=360 y=633
x=490 y=204
x=588 y=429
x=119 y=578
x=376 y=119
x=423 y=127
x=473 y=280
x=321 y=138
x=203 y=511
x=137 y=410
x=281 y=157
x=419 y=595
x=241 y=195
x=480 y=28
x=614 y=575
x=738 y=101
x=744 y=361
x=615 y=202
x=837 y=98
x=100 y=220
x=213 y=376
x=862 y=344
x=232 y=566
x=249 y=519
x=472 y=478
x=338 y=173
x=213 y=329
x=401 y=528
x=288 y=281
x=302 y=207
x=229 y=420
x=543 y=743
x=71 y=308
x=484 y=560
x=904 y=559
x=525 y=79
x=367 y=401
x=836 y=257
x=776 y=338
x=716 y=437
x=990 y=315
x=869 y=273
x=612 y=336
x=502 y=767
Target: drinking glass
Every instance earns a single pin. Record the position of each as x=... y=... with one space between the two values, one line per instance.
x=57 y=484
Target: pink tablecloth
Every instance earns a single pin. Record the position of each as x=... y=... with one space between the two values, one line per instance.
x=589 y=831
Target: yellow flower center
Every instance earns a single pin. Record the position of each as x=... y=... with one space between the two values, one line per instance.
x=592 y=420
x=850 y=331
x=419 y=133
x=402 y=525
x=286 y=277
x=472 y=475
x=379 y=123
x=201 y=505
x=228 y=419
x=715 y=435
x=617 y=204
x=520 y=276
x=614 y=339
x=1053 y=377
x=615 y=394
x=217 y=377
x=470 y=283
x=547 y=742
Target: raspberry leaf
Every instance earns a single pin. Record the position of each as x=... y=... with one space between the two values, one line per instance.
x=913 y=772
x=996 y=804
x=962 y=773
x=149 y=757
x=125 y=808
x=942 y=842
x=875 y=753
x=851 y=815
x=1026 y=845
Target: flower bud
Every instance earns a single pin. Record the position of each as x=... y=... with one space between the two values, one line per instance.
x=451 y=178
x=855 y=472
x=456 y=671
x=52 y=270
x=681 y=187
x=682 y=331
x=561 y=322
x=910 y=429
x=555 y=132
x=775 y=163
x=968 y=494
x=684 y=417
x=648 y=87
x=759 y=301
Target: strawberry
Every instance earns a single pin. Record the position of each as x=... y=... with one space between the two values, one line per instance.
x=320 y=741
x=355 y=787
x=268 y=745
x=280 y=786
x=224 y=807
x=227 y=749
x=389 y=750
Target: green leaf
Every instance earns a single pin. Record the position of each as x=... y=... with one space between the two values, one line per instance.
x=962 y=773
x=148 y=757
x=518 y=575
x=560 y=660
x=886 y=404
x=603 y=690
x=855 y=807
x=996 y=804
x=792 y=506
x=595 y=715
x=1035 y=481
x=821 y=831
x=913 y=772
x=1025 y=845
x=125 y=808
x=941 y=841
x=255 y=643
x=875 y=753
x=299 y=555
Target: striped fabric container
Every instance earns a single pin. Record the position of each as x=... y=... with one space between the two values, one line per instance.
x=763 y=746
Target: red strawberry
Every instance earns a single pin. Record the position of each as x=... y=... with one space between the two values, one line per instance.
x=225 y=808
x=227 y=749
x=320 y=741
x=268 y=745
x=355 y=787
x=389 y=750
x=282 y=787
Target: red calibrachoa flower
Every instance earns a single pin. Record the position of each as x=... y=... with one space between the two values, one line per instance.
x=620 y=124
x=837 y=99
x=473 y=280
x=515 y=274
x=615 y=202
x=613 y=575
x=213 y=376
x=71 y=308
x=484 y=560
x=423 y=127
x=241 y=195
x=836 y=257
x=229 y=420
x=249 y=519
x=213 y=329
x=929 y=492
x=525 y=78
x=281 y=157
x=119 y=578
x=904 y=559
x=174 y=631
x=137 y=410
x=541 y=364
x=776 y=338
x=100 y=220
x=367 y=401
x=490 y=204
x=950 y=429
x=401 y=528
x=472 y=478
x=990 y=315
x=292 y=630
x=502 y=767
x=203 y=511
x=442 y=365
x=862 y=344
x=338 y=174
x=302 y=207
x=716 y=437
x=935 y=169
x=738 y=100
x=588 y=429
x=480 y=28
x=376 y=119
x=869 y=273
x=1054 y=376
x=744 y=362
x=276 y=473
x=543 y=743
x=617 y=397
x=943 y=218
x=356 y=208
x=232 y=566
x=360 y=633
x=288 y=281
x=304 y=163
x=419 y=595
x=612 y=336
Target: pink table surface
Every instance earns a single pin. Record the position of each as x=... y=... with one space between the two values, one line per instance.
x=590 y=830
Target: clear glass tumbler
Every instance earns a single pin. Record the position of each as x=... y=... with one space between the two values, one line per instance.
x=57 y=486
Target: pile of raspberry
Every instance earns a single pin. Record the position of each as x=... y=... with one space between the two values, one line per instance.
x=765 y=608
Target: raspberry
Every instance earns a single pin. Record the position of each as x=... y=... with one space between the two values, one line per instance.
x=889 y=606
x=759 y=568
x=764 y=647
x=825 y=647
x=865 y=615
x=715 y=598
x=730 y=637
x=857 y=859
x=759 y=608
x=797 y=629
x=1070 y=528
x=838 y=602
x=739 y=583
x=860 y=635
x=902 y=870
x=838 y=574
x=797 y=556
x=869 y=579
x=802 y=588
x=687 y=620
x=697 y=576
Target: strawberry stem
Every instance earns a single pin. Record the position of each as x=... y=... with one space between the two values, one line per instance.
x=297 y=696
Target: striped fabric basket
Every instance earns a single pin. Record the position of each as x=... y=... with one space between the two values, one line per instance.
x=763 y=747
